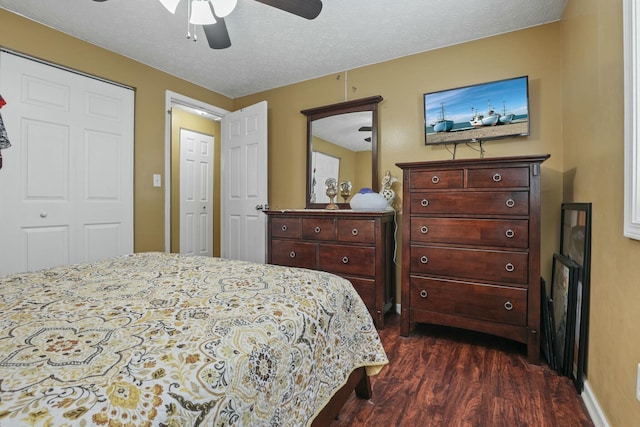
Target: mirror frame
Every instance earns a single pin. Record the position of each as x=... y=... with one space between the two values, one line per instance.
x=356 y=105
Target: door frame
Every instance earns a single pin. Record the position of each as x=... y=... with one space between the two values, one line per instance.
x=177 y=100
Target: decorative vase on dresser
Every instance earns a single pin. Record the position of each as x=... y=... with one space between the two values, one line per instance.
x=356 y=245
x=471 y=246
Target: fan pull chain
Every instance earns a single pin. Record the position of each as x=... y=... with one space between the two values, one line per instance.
x=188 y=15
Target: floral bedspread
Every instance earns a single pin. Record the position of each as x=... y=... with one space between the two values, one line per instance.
x=168 y=340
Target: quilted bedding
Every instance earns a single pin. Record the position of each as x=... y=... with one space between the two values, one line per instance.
x=169 y=340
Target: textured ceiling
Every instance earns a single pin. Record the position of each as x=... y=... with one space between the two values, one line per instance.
x=271 y=48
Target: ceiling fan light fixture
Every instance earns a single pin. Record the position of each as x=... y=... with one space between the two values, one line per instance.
x=170 y=5
x=201 y=13
x=223 y=8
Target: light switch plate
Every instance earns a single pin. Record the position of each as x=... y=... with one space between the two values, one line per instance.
x=157 y=180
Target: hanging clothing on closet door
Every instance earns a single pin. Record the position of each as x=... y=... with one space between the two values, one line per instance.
x=4 y=138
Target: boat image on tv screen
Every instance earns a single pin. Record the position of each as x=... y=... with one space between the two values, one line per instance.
x=477 y=113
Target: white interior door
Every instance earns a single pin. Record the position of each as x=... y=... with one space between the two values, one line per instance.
x=66 y=186
x=196 y=193
x=244 y=184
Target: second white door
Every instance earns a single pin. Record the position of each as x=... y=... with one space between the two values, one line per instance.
x=196 y=193
x=244 y=183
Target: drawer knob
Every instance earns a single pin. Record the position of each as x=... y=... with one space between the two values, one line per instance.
x=424 y=202
x=354 y=232
x=435 y=179
x=292 y=254
x=424 y=293
x=510 y=203
x=345 y=260
x=284 y=228
x=317 y=230
x=508 y=306
x=510 y=233
x=424 y=259
x=509 y=267
x=497 y=177
x=424 y=229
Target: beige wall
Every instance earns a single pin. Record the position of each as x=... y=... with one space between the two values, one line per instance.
x=575 y=71
x=183 y=120
x=536 y=52
x=592 y=165
x=25 y=36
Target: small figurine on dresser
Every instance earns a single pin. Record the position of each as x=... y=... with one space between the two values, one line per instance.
x=331 y=185
x=345 y=190
x=387 y=192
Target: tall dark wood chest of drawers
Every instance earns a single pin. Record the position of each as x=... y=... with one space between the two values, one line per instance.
x=358 y=246
x=471 y=246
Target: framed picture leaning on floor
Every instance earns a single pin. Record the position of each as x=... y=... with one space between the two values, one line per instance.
x=563 y=294
x=575 y=243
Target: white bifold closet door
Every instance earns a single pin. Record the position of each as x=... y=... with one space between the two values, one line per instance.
x=66 y=185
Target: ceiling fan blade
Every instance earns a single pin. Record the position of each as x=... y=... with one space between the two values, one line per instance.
x=308 y=9
x=217 y=34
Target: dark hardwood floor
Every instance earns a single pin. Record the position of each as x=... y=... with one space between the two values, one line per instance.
x=441 y=376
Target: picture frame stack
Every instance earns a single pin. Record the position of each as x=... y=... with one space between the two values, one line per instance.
x=565 y=311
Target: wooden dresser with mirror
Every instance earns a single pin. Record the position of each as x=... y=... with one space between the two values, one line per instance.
x=342 y=143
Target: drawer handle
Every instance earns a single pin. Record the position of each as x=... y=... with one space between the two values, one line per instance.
x=424 y=229
x=435 y=179
x=510 y=203
x=510 y=233
x=497 y=177
x=509 y=267
x=345 y=260
x=424 y=203
x=284 y=228
x=292 y=254
x=508 y=306
x=424 y=259
x=354 y=232
x=317 y=230
x=424 y=293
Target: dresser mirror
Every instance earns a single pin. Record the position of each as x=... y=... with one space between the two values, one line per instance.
x=342 y=144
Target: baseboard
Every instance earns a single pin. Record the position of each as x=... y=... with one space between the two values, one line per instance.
x=593 y=407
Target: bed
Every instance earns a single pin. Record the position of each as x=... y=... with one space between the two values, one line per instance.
x=169 y=340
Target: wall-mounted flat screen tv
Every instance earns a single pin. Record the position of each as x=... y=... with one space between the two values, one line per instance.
x=477 y=113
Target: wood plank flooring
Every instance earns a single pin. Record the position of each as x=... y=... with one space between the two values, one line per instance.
x=441 y=376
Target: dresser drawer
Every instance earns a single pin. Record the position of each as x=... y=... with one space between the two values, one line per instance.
x=366 y=288
x=488 y=232
x=471 y=203
x=286 y=227
x=293 y=254
x=435 y=179
x=356 y=231
x=487 y=302
x=498 y=177
x=493 y=266
x=318 y=229
x=348 y=259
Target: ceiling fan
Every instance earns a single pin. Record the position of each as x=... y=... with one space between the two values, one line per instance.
x=214 y=26
x=366 y=129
